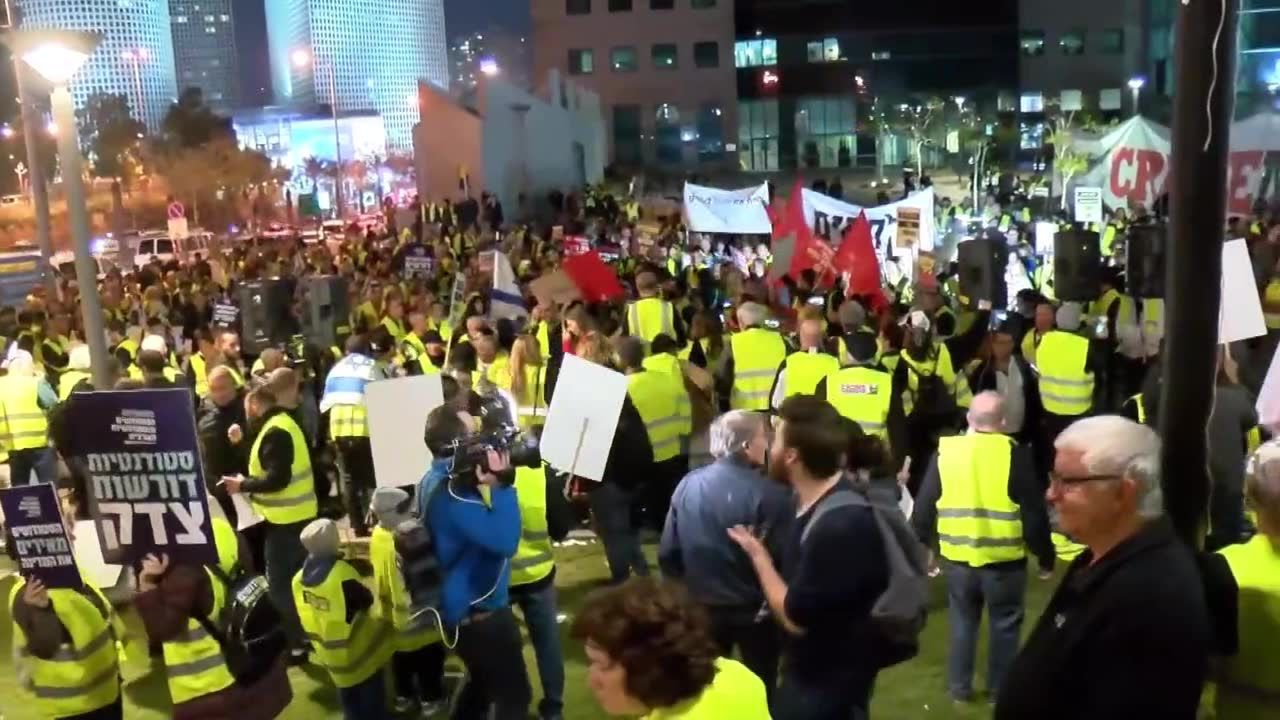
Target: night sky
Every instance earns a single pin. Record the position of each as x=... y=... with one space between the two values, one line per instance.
x=463 y=17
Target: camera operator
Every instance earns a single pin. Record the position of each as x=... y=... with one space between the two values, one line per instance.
x=473 y=518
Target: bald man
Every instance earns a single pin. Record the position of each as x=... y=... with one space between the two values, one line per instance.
x=222 y=429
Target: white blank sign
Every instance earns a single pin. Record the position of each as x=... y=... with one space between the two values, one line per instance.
x=582 y=418
x=1240 y=315
x=397 y=418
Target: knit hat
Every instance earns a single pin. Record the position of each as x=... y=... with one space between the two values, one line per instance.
x=1069 y=316
x=320 y=537
x=385 y=506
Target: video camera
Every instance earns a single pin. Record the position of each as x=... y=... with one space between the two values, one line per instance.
x=498 y=433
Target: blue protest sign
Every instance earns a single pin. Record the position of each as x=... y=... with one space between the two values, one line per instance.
x=146 y=482
x=40 y=539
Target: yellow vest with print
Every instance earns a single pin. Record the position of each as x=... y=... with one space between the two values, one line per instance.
x=757 y=353
x=864 y=396
x=1248 y=683
x=194 y=663
x=978 y=523
x=297 y=501
x=28 y=425
x=348 y=421
x=83 y=675
x=392 y=596
x=804 y=370
x=534 y=558
x=351 y=653
x=650 y=317
x=69 y=380
x=735 y=693
x=651 y=393
x=1066 y=388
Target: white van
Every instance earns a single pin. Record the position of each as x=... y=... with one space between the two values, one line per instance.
x=150 y=246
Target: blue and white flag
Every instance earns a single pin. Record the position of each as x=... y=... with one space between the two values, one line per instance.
x=505 y=298
x=345 y=382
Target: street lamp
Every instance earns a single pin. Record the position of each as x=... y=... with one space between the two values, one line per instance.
x=301 y=59
x=1135 y=87
x=489 y=66
x=960 y=100
x=57 y=55
x=136 y=57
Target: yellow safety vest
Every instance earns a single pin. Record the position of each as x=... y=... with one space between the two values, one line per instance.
x=531 y=409
x=650 y=317
x=61 y=345
x=978 y=523
x=1141 y=408
x=499 y=371
x=69 y=380
x=1271 y=304
x=804 y=370
x=28 y=426
x=757 y=353
x=237 y=377
x=534 y=559
x=1066 y=388
x=735 y=693
x=412 y=348
x=671 y=368
x=940 y=366
x=543 y=336
x=83 y=675
x=1248 y=683
x=130 y=346
x=651 y=393
x=1030 y=344
x=194 y=662
x=864 y=396
x=297 y=501
x=200 y=371
x=394 y=327
x=351 y=653
x=169 y=373
x=1099 y=308
x=348 y=421
x=392 y=596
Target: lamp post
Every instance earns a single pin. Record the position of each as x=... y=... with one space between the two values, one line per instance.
x=135 y=58
x=1135 y=87
x=57 y=55
x=301 y=59
x=35 y=174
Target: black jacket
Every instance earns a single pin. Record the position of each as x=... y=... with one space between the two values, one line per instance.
x=276 y=455
x=983 y=378
x=631 y=455
x=220 y=456
x=1126 y=638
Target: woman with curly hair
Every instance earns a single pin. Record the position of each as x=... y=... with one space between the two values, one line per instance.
x=650 y=653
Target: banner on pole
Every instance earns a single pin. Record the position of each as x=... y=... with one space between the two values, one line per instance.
x=40 y=539
x=908 y=227
x=1088 y=204
x=744 y=211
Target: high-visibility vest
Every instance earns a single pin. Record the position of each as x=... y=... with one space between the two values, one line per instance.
x=648 y=318
x=1066 y=388
x=1030 y=344
x=353 y=652
x=195 y=665
x=669 y=365
x=534 y=559
x=1141 y=408
x=1248 y=683
x=348 y=421
x=543 y=335
x=499 y=371
x=1108 y=240
x=27 y=424
x=937 y=324
x=978 y=523
x=392 y=597
x=130 y=346
x=1271 y=304
x=237 y=376
x=394 y=327
x=297 y=501
x=169 y=373
x=61 y=345
x=941 y=366
x=200 y=373
x=69 y=380
x=531 y=408
x=651 y=393
x=802 y=371
x=864 y=396
x=757 y=353
x=83 y=675
x=412 y=348
x=1099 y=308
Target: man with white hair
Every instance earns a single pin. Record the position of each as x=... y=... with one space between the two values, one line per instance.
x=1127 y=633
x=25 y=399
x=695 y=548
x=1243 y=585
x=750 y=361
x=981 y=505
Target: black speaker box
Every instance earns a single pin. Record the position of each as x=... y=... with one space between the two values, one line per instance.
x=326 y=311
x=1144 y=260
x=1077 y=266
x=265 y=315
x=982 y=262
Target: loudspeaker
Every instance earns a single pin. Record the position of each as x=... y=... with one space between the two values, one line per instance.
x=265 y=315
x=326 y=311
x=1144 y=261
x=1077 y=266
x=982 y=262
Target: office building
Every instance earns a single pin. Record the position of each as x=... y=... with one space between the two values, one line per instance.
x=204 y=50
x=369 y=53
x=1081 y=55
x=134 y=57
x=489 y=53
x=663 y=70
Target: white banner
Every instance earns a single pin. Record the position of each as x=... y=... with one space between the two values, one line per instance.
x=397 y=411
x=828 y=217
x=710 y=210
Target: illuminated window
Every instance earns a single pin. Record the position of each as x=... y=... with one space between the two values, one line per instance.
x=581 y=62
x=670 y=144
x=710 y=132
x=1031 y=42
x=627 y=129
x=1072 y=42
x=758 y=135
x=881 y=55
x=623 y=59
x=1031 y=135
x=1031 y=102
x=755 y=53
x=826 y=50
x=665 y=56
x=1110 y=99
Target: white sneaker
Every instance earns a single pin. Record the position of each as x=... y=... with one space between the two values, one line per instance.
x=431 y=709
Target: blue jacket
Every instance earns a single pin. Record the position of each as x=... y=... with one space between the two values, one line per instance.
x=474 y=542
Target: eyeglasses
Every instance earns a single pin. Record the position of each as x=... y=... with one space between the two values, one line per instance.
x=1059 y=480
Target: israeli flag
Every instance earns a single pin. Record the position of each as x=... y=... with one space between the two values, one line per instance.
x=505 y=298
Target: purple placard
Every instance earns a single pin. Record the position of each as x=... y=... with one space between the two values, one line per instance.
x=44 y=548
x=146 y=481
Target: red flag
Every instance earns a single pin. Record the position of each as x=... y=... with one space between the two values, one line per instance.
x=593 y=276
x=795 y=249
x=857 y=259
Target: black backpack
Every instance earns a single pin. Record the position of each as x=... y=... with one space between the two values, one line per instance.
x=933 y=398
x=252 y=633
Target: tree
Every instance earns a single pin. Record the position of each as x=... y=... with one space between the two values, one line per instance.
x=201 y=172
x=916 y=121
x=191 y=123
x=1068 y=159
x=110 y=134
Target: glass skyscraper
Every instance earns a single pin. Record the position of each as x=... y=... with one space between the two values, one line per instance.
x=134 y=58
x=204 y=48
x=371 y=52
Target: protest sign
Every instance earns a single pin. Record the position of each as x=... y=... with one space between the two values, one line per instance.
x=743 y=211
x=39 y=537
x=146 y=482
x=397 y=411
x=829 y=217
x=576 y=245
x=226 y=315
x=1088 y=204
x=246 y=516
x=555 y=287
x=417 y=263
x=93 y=567
x=908 y=227
x=582 y=418
x=1240 y=312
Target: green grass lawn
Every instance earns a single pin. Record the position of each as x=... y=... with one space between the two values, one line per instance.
x=911 y=690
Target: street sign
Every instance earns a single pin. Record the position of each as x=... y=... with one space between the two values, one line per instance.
x=178 y=229
x=176 y=210
x=1088 y=205
x=908 y=226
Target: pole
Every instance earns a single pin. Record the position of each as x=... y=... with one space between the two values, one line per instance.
x=35 y=176
x=95 y=333
x=1197 y=200
x=137 y=88
x=337 y=140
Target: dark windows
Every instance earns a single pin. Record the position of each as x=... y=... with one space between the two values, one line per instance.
x=626 y=134
x=665 y=56
x=577 y=7
x=623 y=59
x=581 y=62
x=706 y=54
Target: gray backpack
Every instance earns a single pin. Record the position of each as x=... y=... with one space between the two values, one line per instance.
x=898 y=615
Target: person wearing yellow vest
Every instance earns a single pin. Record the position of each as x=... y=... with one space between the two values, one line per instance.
x=544 y=518
x=933 y=392
x=981 y=505
x=418 y=663
x=228 y=347
x=281 y=489
x=1043 y=324
x=750 y=362
x=1271 y=305
x=656 y=388
x=651 y=316
x=1067 y=370
x=195 y=368
x=394 y=318
x=528 y=370
x=942 y=319
x=803 y=370
x=411 y=347
x=25 y=400
x=863 y=391
x=1242 y=583
x=56 y=346
x=352 y=641
x=493 y=362
x=77 y=376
